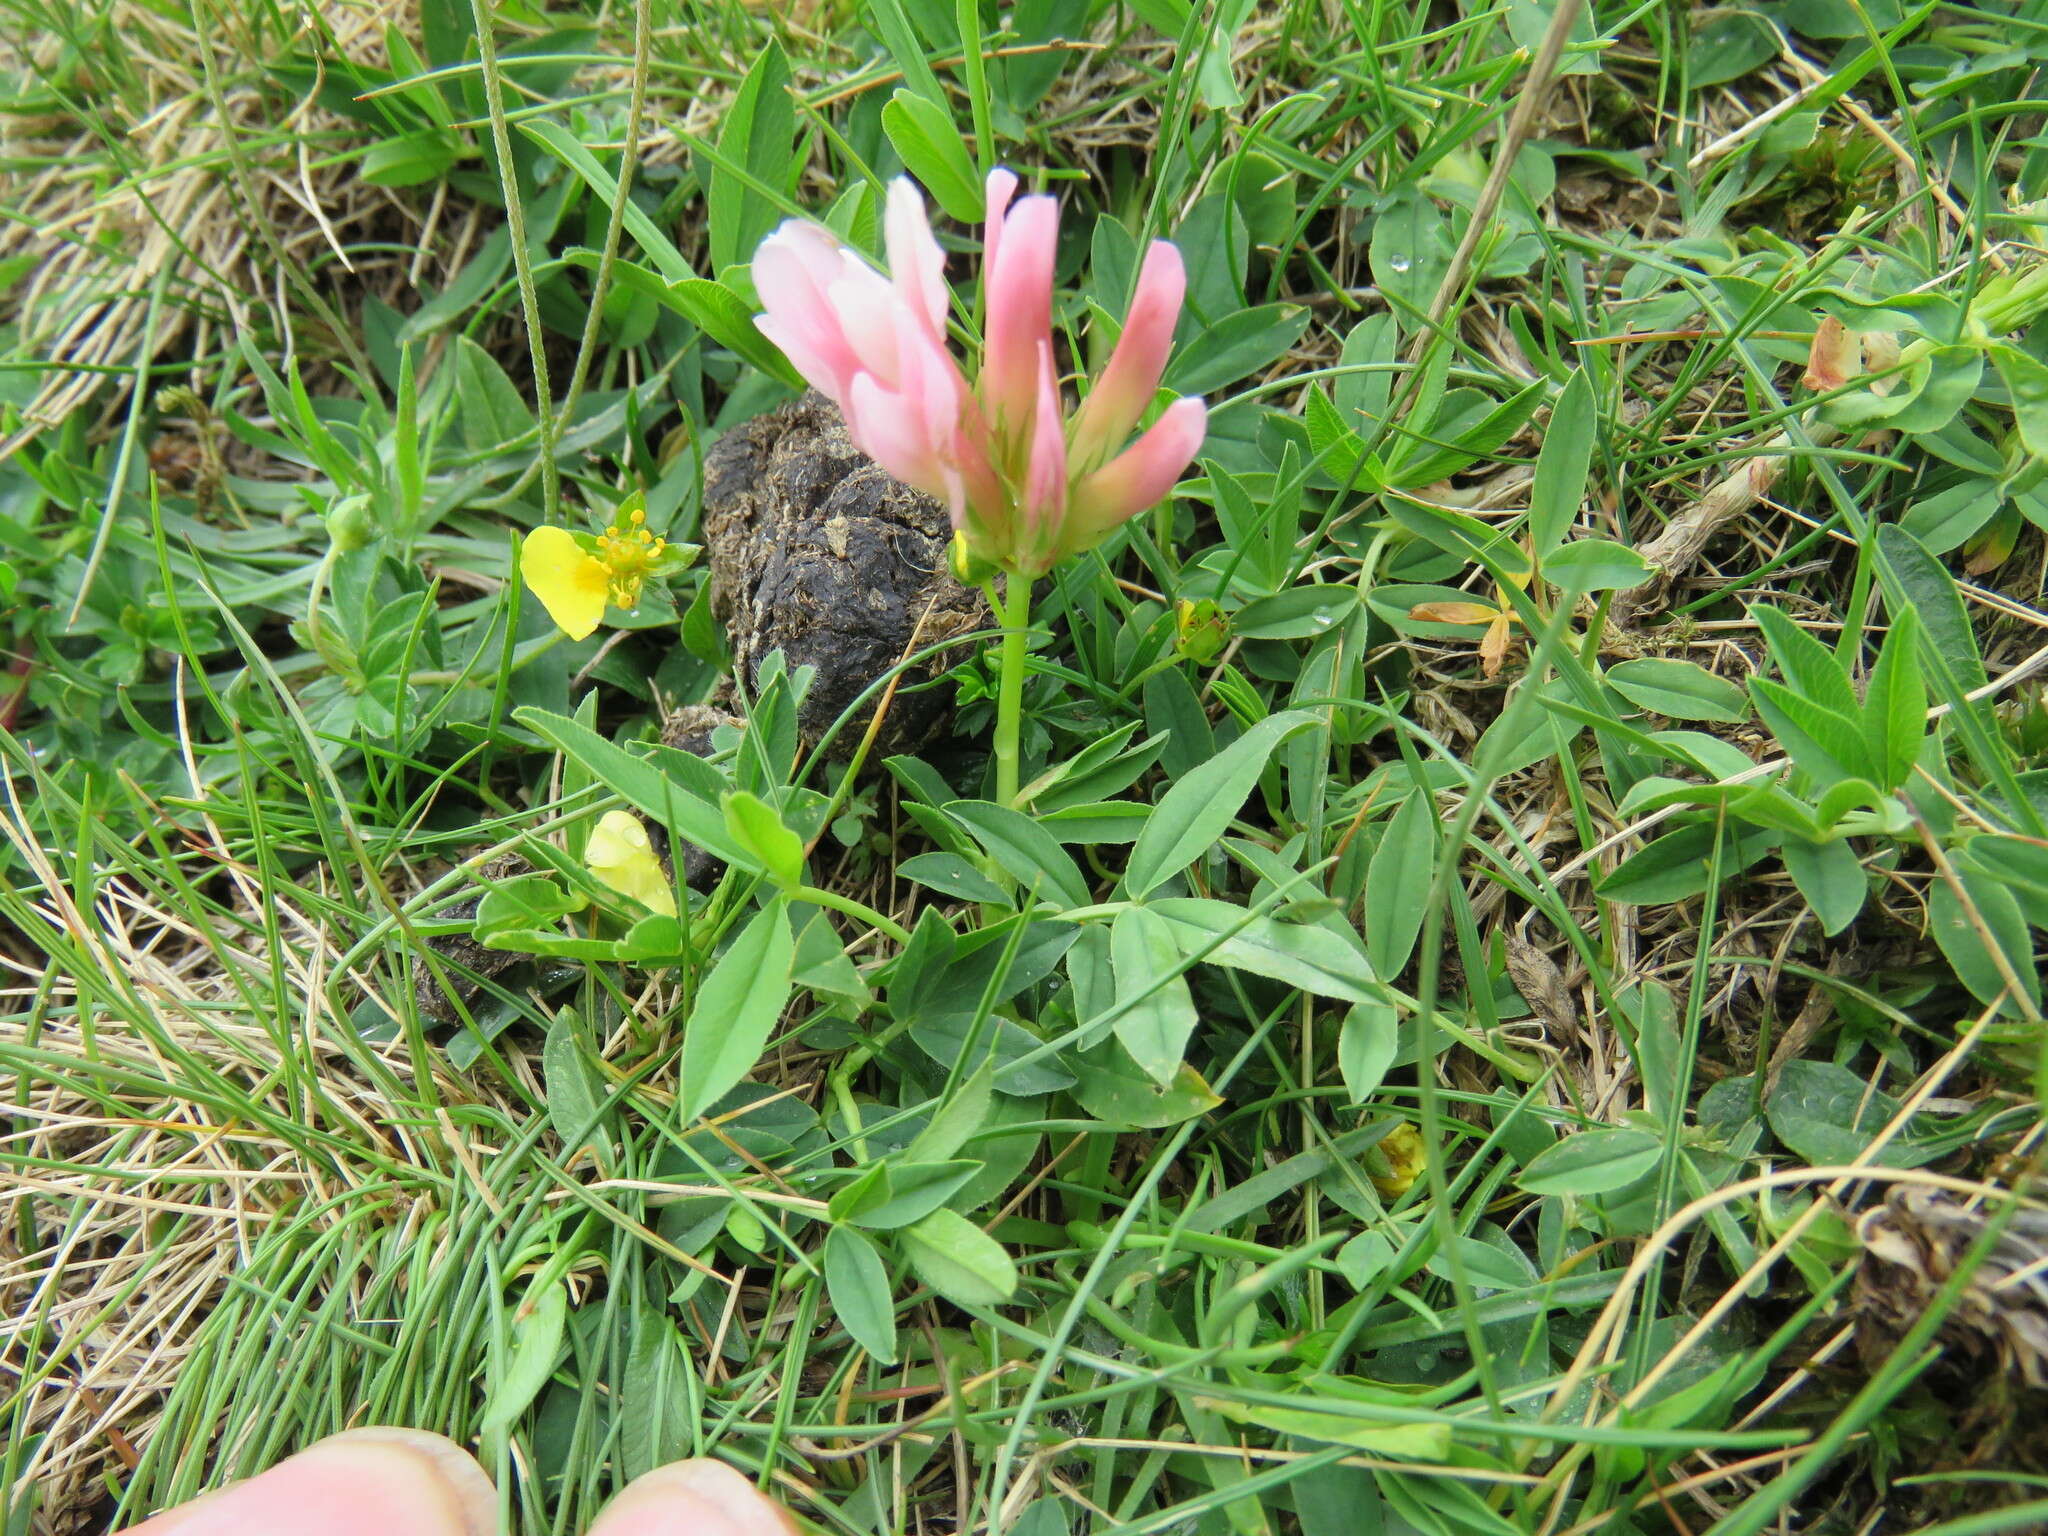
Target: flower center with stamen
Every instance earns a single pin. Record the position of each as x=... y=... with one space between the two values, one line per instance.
x=628 y=553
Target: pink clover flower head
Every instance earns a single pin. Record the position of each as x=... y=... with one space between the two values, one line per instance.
x=1025 y=485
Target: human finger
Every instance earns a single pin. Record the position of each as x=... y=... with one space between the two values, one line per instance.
x=362 y=1482
x=693 y=1498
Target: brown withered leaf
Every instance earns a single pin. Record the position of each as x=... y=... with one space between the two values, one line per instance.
x=1912 y=1244
x=1836 y=356
x=1454 y=613
x=1493 y=646
x=1541 y=984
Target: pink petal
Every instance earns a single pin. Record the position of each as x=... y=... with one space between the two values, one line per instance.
x=693 y=1498
x=396 y=1482
x=915 y=260
x=815 y=250
x=1018 y=285
x=793 y=271
x=1137 y=478
x=1125 y=389
x=891 y=430
x=828 y=371
x=876 y=325
x=1000 y=187
x=1044 y=504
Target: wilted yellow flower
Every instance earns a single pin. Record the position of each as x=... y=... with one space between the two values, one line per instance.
x=1401 y=1153
x=621 y=854
x=575 y=576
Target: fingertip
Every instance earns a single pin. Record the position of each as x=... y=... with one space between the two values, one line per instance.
x=392 y=1481
x=701 y=1497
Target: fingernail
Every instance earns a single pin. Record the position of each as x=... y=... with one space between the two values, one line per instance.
x=693 y=1498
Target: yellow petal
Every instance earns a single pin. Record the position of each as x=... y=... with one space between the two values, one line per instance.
x=570 y=584
x=621 y=854
x=1396 y=1162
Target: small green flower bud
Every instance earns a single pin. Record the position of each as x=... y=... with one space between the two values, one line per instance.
x=1201 y=629
x=350 y=525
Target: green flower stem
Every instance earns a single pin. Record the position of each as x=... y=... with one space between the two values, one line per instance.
x=841 y=1081
x=485 y=14
x=316 y=594
x=532 y=651
x=877 y=920
x=1015 y=612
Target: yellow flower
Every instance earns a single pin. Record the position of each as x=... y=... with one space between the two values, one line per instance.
x=570 y=584
x=1396 y=1161
x=576 y=576
x=621 y=854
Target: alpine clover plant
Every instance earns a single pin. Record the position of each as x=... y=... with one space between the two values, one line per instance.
x=1026 y=484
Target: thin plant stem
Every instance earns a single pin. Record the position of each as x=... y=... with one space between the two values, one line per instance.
x=600 y=285
x=1015 y=612
x=522 y=257
x=819 y=897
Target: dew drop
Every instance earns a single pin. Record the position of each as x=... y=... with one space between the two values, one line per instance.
x=1399 y=263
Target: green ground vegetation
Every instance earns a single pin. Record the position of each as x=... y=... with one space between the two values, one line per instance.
x=1509 y=1000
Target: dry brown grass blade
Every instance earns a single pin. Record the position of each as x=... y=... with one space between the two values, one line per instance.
x=1676 y=549
x=175 y=214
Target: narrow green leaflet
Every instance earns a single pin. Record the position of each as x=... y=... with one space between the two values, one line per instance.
x=1967 y=932
x=1931 y=591
x=685 y=814
x=536 y=1339
x=960 y=1261
x=1592 y=1162
x=1311 y=957
x=558 y=141
x=1829 y=877
x=951 y=875
x=858 y=1283
x=493 y=411
x=2019 y=864
x=655 y=1416
x=904 y=1192
x=575 y=1091
x=757 y=827
x=757 y=135
x=410 y=158
x=1826 y=743
x=1895 y=704
x=712 y=307
x=736 y=1010
x=1398 y=883
x=2026 y=380
x=1366 y=1043
x=1677 y=690
x=1195 y=812
x=1595 y=565
x=956 y=1119
x=1410 y=1442
x=1157 y=1010
x=1676 y=865
x=933 y=152
x=1808 y=667
x=1113 y=1089
x=1236 y=346
x=1562 y=466
x=1027 y=852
